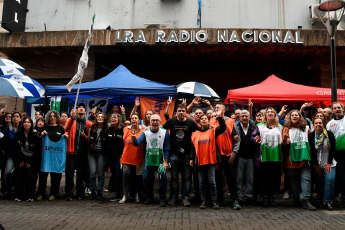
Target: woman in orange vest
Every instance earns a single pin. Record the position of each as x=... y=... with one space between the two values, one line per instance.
x=132 y=157
x=204 y=152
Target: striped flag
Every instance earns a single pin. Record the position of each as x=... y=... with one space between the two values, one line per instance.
x=83 y=60
x=198 y=21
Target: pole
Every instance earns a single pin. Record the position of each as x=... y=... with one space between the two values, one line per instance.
x=333 y=70
x=76 y=98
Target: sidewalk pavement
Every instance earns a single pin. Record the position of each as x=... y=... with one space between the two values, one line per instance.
x=87 y=214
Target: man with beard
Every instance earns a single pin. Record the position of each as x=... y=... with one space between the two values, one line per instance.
x=77 y=129
x=337 y=126
x=156 y=158
x=181 y=129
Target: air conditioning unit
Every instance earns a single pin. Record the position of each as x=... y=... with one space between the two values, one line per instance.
x=157 y=26
x=315 y=14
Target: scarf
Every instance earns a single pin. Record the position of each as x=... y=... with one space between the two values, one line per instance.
x=320 y=138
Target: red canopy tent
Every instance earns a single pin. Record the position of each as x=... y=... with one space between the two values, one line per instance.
x=276 y=89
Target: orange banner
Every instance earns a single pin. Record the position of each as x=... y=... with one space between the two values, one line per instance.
x=158 y=105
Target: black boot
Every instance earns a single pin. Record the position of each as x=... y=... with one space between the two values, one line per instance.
x=308 y=205
x=265 y=201
x=272 y=202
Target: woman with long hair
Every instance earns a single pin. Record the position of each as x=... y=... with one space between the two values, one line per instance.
x=322 y=149
x=269 y=135
x=113 y=154
x=97 y=147
x=55 y=132
x=25 y=147
x=132 y=158
x=297 y=157
x=9 y=133
x=40 y=124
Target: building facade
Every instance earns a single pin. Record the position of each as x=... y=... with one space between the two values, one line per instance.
x=226 y=44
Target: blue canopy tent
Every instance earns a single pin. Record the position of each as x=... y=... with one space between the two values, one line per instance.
x=118 y=84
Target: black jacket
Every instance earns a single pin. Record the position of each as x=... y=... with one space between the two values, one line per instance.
x=19 y=144
x=93 y=137
x=114 y=140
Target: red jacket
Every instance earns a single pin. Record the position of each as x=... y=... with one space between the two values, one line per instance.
x=70 y=129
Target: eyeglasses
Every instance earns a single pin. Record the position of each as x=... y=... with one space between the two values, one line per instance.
x=8 y=116
x=100 y=117
x=155 y=120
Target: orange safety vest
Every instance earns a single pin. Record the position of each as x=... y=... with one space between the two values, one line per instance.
x=205 y=146
x=224 y=140
x=132 y=155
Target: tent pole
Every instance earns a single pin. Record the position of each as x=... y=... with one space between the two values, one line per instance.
x=76 y=98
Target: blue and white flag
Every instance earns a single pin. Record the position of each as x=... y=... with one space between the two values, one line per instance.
x=198 y=21
x=53 y=155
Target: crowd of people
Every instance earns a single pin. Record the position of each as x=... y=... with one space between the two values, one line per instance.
x=253 y=154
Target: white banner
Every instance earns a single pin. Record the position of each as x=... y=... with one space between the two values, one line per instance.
x=83 y=60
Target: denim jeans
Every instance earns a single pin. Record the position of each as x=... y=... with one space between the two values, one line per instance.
x=8 y=173
x=180 y=165
x=96 y=166
x=149 y=181
x=245 y=170
x=207 y=173
x=326 y=184
x=341 y=172
x=300 y=178
x=116 y=172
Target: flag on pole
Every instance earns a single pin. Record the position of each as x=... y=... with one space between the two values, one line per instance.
x=83 y=60
x=198 y=21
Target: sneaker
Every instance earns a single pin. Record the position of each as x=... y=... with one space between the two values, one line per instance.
x=162 y=203
x=39 y=198
x=329 y=206
x=137 y=198
x=68 y=198
x=30 y=200
x=81 y=197
x=237 y=205
x=215 y=205
x=17 y=199
x=51 y=198
x=185 y=202
x=172 y=201
x=116 y=198
x=286 y=195
x=123 y=200
x=203 y=204
x=87 y=190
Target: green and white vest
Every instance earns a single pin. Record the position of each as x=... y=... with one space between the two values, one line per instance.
x=299 y=145
x=154 y=147
x=338 y=129
x=271 y=140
